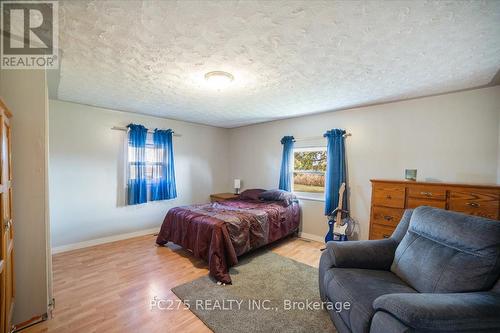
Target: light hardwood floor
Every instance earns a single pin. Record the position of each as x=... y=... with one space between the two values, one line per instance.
x=109 y=287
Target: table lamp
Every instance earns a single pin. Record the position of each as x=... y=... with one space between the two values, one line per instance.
x=237 y=186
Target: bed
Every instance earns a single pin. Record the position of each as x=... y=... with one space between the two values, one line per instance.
x=219 y=232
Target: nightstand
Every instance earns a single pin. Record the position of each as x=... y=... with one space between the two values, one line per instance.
x=223 y=196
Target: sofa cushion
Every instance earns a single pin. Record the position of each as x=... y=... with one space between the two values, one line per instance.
x=360 y=287
x=450 y=312
x=444 y=252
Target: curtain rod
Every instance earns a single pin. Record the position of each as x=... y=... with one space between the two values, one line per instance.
x=118 y=128
x=317 y=137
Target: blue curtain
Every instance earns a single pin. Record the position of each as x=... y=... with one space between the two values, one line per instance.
x=335 y=169
x=137 y=189
x=163 y=182
x=286 y=163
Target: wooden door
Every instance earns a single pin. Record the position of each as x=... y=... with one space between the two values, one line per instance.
x=7 y=289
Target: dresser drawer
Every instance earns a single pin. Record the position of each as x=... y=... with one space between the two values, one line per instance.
x=417 y=202
x=386 y=216
x=389 y=196
x=475 y=203
x=380 y=231
x=427 y=192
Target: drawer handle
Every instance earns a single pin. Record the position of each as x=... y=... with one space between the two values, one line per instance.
x=388 y=218
x=427 y=194
x=388 y=197
x=386 y=236
x=473 y=204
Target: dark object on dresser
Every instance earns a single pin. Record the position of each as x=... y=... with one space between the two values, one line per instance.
x=391 y=197
x=438 y=272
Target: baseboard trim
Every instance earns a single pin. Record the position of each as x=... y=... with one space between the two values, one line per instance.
x=312 y=237
x=103 y=240
x=28 y=323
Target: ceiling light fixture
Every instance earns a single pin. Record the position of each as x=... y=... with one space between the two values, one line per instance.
x=219 y=79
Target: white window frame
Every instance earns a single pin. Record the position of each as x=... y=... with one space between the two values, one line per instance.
x=123 y=199
x=149 y=145
x=307 y=195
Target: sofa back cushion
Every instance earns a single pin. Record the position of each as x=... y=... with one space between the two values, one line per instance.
x=445 y=251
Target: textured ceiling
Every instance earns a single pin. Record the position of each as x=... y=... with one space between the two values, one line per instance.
x=288 y=58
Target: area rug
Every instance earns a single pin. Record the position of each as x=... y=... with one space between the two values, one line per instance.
x=270 y=293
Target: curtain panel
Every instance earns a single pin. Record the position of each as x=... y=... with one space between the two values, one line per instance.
x=335 y=169
x=286 y=172
x=137 y=183
x=163 y=175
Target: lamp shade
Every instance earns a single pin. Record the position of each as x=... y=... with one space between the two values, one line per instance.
x=237 y=183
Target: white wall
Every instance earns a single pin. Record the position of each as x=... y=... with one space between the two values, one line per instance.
x=453 y=137
x=85 y=161
x=25 y=93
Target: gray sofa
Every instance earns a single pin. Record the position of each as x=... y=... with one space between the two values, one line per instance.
x=438 y=272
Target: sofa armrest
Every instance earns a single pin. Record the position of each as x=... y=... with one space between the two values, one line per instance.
x=372 y=254
x=448 y=312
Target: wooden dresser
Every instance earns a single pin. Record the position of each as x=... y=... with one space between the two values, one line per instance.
x=391 y=197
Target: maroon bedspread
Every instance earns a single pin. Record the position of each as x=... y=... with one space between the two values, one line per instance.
x=219 y=232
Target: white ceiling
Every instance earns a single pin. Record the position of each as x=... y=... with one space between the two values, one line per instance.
x=288 y=58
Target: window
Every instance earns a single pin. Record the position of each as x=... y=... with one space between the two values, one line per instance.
x=309 y=168
x=150 y=172
x=149 y=159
